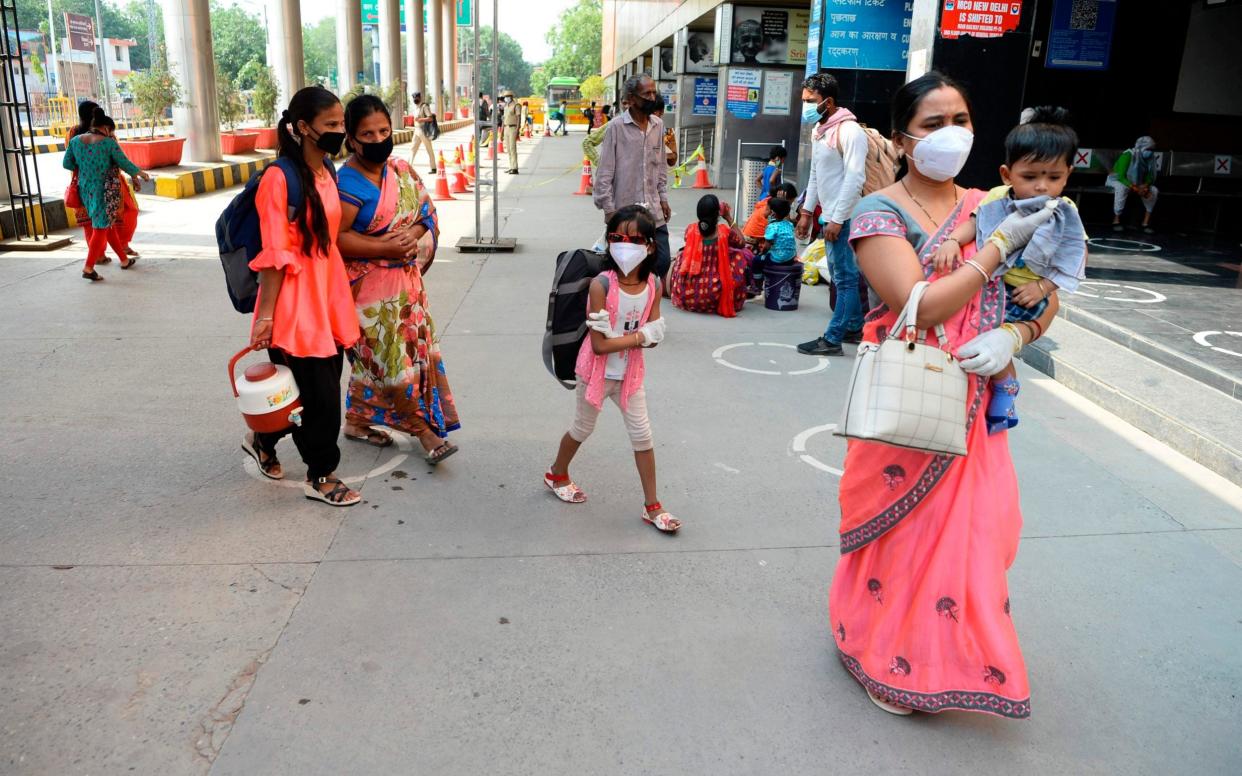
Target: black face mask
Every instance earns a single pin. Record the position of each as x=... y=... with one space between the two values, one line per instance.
x=330 y=142
x=647 y=107
x=375 y=153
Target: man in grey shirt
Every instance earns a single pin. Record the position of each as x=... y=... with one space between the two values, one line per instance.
x=632 y=168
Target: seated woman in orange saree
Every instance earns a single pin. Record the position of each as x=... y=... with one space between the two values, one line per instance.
x=919 y=604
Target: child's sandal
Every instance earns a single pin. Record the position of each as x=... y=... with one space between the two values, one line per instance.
x=564 y=488
x=662 y=520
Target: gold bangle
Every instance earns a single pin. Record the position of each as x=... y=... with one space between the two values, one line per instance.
x=1017 y=336
x=977 y=267
x=1040 y=283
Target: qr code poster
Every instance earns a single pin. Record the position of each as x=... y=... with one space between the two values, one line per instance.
x=979 y=18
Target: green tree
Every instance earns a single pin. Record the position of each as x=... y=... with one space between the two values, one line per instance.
x=539 y=80
x=237 y=37
x=576 y=41
x=156 y=90
x=593 y=88
x=127 y=22
x=266 y=93
x=319 y=51
x=228 y=102
x=514 y=70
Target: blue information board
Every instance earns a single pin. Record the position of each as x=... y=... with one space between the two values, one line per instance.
x=704 y=97
x=1081 y=36
x=866 y=34
x=813 y=36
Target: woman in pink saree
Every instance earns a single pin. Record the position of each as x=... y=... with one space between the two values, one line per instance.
x=919 y=604
x=388 y=239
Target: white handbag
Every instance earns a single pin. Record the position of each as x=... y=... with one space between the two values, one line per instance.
x=905 y=392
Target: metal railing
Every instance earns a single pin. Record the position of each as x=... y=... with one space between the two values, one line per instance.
x=690 y=138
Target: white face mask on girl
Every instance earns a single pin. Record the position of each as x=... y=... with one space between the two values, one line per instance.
x=940 y=155
x=627 y=255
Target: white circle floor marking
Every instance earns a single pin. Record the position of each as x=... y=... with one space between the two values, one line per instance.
x=1114 y=244
x=1156 y=297
x=718 y=355
x=1204 y=339
x=401 y=441
x=799 y=447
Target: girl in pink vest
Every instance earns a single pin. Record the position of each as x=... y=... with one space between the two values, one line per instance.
x=623 y=315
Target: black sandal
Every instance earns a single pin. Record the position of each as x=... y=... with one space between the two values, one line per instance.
x=104 y=260
x=250 y=446
x=132 y=261
x=334 y=498
x=93 y=276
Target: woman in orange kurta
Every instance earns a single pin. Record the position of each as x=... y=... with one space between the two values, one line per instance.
x=919 y=605
x=304 y=315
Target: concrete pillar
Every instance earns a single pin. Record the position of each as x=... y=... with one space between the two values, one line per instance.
x=284 y=48
x=435 y=57
x=449 y=23
x=187 y=34
x=390 y=50
x=416 y=68
x=348 y=44
x=453 y=47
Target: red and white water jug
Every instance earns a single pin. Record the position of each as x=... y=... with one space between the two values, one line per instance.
x=266 y=395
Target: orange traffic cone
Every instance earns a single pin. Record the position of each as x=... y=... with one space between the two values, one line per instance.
x=700 y=178
x=471 y=172
x=501 y=149
x=458 y=157
x=584 y=186
x=442 y=186
x=491 y=151
x=546 y=127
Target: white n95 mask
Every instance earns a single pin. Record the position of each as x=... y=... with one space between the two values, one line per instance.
x=627 y=255
x=940 y=155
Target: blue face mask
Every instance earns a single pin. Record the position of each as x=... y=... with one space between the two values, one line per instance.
x=810 y=112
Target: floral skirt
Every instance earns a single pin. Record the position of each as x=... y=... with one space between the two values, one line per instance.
x=701 y=293
x=397 y=378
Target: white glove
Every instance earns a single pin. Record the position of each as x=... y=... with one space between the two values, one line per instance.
x=602 y=323
x=1017 y=230
x=653 y=332
x=988 y=353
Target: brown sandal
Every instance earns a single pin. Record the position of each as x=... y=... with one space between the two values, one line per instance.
x=250 y=446
x=373 y=437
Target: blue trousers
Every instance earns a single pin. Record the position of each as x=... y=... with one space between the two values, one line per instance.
x=847 y=315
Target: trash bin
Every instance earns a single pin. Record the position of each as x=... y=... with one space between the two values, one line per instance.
x=782 y=285
x=747 y=194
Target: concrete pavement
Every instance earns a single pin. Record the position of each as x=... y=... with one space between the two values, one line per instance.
x=166 y=611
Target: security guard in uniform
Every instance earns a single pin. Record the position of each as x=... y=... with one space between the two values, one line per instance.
x=512 y=123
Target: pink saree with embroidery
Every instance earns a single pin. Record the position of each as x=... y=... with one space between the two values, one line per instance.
x=919 y=604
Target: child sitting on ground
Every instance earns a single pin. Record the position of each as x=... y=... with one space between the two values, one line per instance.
x=778 y=245
x=1038 y=161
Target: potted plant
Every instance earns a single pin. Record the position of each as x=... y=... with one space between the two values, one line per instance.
x=394 y=98
x=229 y=104
x=266 y=93
x=463 y=107
x=156 y=91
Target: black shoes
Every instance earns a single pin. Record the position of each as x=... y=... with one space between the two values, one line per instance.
x=821 y=347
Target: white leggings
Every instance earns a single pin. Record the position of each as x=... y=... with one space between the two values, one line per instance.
x=1121 y=191
x=637 y=423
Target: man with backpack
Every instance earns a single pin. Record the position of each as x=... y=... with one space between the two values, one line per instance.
x=839 y=155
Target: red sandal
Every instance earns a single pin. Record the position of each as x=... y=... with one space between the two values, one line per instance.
x=564 y=488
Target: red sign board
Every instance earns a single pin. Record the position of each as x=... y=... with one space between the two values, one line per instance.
x=81 y=32
x=979 y=18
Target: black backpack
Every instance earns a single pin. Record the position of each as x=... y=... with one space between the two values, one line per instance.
x=238 y=237
x=433 y=128
x=567 y=311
